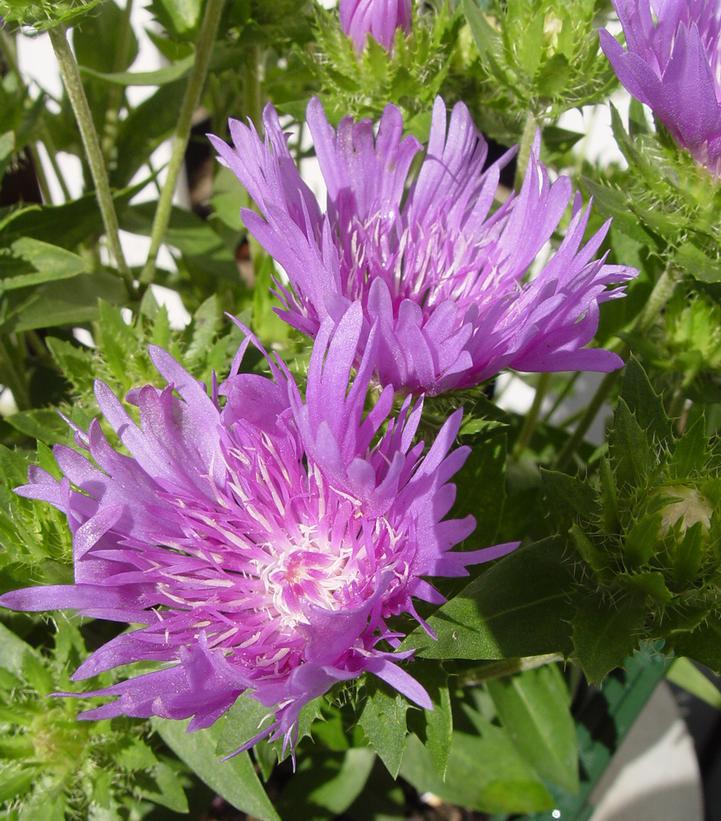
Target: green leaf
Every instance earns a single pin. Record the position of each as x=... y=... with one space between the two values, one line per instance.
x=384 y=723
x=14 y=651
x=159 y=77
x=328 y=783
x=534 y=708
x=645 y=404
x=48 y=263
x=684 y=673
x=144 y=129
x=482 y=479
x=433 y=727
x=234 y=780
x=485 y=772
x=604 y=634
x=41 y=424
x=486 y=37
x=170 y=792
x=699 y=265
x=7 y=148
x=642 y=540
x=631 y=448
x=518 y=607
x=180 y=18
x=569 y=497
x=97 y=42
x=191 y=235
x=55 y=303
x=239 y=724
x=702 y=645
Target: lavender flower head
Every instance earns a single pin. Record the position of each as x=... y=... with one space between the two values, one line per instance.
x=673 y=64
x=262 y=539
x=444 y=277
x=378 y=18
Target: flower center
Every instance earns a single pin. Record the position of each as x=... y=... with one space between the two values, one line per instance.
x=312 y=572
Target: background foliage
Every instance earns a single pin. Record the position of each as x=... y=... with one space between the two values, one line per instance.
x=622 y=545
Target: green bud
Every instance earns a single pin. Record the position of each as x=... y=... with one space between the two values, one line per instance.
x=40 y=15
x=539 y=56
x=410 y=75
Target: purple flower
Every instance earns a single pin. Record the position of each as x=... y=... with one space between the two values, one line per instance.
x=379 y=18
x=261 y=539
x=673 y=65
x=442 y=275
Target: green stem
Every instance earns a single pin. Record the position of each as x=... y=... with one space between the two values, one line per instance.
x=562 y=394
x=524 y=149
x=252 y=87
x=662 y=292
x=76 y=93
x=531 y=421
x=506 y=667
x=191 y=98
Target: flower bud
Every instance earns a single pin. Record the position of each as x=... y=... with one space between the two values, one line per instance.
x=377 y=18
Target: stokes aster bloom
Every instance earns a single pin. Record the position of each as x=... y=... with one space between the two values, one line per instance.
x=442 y=275
x=379 y=18
x=673 y=65
x=262 y=539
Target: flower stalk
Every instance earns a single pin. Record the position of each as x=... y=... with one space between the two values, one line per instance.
x=191 y=98
x=78 y=100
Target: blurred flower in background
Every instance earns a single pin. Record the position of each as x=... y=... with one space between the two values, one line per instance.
x=378 y=18
x=672 y=63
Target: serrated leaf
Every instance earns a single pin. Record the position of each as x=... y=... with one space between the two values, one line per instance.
x=702 y=644
x=234 y=780
x=534 y=708
x=170 y=792
x=605 y=634
x=485 y=772
x=517 y=607
x=434 y=728
x=643 y=401
x=569 y=497
x=632 y=452
x=642 y=540
x=384 y=723
x=651 y=583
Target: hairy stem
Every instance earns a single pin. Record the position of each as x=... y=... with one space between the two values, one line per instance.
x=76 y=94
x=524 y=149
x=191 y=98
